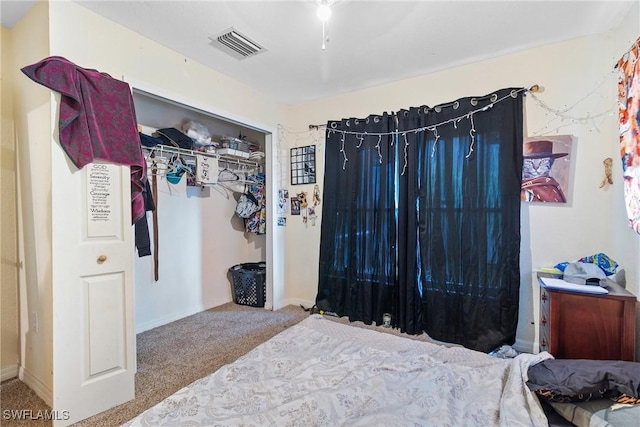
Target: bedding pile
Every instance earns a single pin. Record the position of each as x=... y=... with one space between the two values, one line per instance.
x=321 y=372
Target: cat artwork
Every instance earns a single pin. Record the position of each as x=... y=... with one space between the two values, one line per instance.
x=537 y=184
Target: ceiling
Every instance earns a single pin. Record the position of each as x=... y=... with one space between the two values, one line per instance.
x=369 y=42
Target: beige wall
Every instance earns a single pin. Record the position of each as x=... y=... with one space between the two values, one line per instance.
x=592 y=221
x=32 y=114
x=9 y=340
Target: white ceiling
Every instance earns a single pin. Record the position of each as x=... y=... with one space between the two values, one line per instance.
x=370 y=42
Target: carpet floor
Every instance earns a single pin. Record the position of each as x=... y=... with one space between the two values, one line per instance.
x=170 y=357
x=174 y=355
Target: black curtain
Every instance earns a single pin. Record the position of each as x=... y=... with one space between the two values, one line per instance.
x=357 y=270
x=468 y=171
x=423 y=220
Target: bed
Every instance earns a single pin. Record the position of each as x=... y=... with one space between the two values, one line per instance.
x=322 y=372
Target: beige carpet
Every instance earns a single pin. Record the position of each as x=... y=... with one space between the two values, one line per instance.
x=174 y=355
x=171 y=357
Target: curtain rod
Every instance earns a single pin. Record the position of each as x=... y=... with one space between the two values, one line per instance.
x=533 y=89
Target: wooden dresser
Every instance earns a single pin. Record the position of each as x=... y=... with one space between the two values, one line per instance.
x=588 y=326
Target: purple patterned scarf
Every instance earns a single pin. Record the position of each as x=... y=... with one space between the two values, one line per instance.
x=97 y=119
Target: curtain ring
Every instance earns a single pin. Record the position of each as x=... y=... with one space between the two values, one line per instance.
x=426 y=110
x=356 y=121
x=438 y=109
x=474 y=102
x=334 y=125
x=456 y=105
x=376 y=119
x=513 y=93
x=348 y=123
x=367 y=120
x=494 y=97
x=406 y=113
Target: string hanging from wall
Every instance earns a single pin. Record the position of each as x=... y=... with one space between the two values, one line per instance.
x=563 y=114
x=494 y=99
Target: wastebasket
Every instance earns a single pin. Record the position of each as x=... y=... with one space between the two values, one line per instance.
x=249 y=284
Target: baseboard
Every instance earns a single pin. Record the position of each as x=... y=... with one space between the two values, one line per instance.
x=9 y=372
x=142 y=327
x=36 y=385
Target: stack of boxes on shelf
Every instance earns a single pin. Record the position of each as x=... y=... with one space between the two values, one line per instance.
x=236 y=147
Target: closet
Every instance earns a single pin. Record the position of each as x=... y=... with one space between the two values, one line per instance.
x=199 y=234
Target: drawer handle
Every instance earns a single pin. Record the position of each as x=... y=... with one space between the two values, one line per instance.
x=543 y=297
x=543 y=320
x=543 y=343
x=101 y=259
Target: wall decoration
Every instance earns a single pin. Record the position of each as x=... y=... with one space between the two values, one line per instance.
x=312 y=215
x=303 y=165
x=546 y=169
x=295 y=206
x=629 y=124
x=283 y=195
x=282 y=221
x=607 y=180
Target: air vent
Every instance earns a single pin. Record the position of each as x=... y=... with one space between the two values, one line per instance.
x=236 y=44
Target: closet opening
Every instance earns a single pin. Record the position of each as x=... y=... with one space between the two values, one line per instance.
x=200 y=236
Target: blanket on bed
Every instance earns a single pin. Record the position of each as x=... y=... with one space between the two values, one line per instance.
x=323 y=373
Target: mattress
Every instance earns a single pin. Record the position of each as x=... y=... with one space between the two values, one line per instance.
x=321 y=372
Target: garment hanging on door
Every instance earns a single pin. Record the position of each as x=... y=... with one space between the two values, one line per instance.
x=97 y=119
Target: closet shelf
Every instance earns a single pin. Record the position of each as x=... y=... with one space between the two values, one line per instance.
x=160 y=149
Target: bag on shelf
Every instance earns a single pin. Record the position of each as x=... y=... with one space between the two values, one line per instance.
x=173 y=137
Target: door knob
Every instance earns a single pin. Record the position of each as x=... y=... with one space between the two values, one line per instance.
x=101 y=259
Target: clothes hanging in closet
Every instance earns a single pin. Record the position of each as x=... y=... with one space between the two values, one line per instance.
x=97 y=119
x=143 y=242
x=258 y=222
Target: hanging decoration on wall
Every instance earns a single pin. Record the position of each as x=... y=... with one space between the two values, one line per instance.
x=316 y=195
x=546 y=169
x=283 y=195
x=295 y=206
x=629 y=122
x=302 y=198
x=607 y=180
x=303 y=165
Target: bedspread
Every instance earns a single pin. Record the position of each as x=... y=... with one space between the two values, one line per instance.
x=324 y=373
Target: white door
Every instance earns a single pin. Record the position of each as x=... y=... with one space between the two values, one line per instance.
x=93 y=288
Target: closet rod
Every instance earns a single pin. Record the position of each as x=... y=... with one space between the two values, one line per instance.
x=175 y=150
x=535 y=88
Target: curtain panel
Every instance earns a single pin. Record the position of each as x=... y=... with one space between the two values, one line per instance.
x=423 y=220
x=357 y=250
x=467 y=202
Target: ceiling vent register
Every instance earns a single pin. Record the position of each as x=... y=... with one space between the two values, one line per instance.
x=236 y=44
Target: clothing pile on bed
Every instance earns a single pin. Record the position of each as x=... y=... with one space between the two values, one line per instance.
x=594 y=393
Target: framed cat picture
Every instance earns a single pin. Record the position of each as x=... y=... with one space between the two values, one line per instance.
x=546 y=169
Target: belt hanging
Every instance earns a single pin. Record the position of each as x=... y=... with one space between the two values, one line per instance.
x=154 y=181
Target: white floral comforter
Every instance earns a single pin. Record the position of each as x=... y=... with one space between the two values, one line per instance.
x=324 y=373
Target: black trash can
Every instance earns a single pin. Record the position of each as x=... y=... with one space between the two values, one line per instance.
x=249 y=284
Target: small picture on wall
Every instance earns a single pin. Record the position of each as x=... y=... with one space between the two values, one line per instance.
x=546 y=169
x=295 y=206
